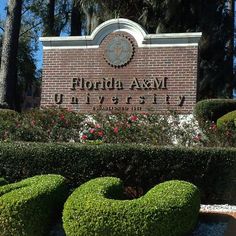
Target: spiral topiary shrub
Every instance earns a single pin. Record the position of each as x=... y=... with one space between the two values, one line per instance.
x=227 y=120
x=95 y=208
x=28 y=207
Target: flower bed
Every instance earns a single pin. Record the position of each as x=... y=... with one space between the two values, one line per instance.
x=57 y=125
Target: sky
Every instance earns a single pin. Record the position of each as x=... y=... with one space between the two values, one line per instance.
x=39 y=53
x=2 y=6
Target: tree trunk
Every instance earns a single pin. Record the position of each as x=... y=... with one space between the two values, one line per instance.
x=231 y=44
x=8 y=70
x=49 y=29
x=76 y=21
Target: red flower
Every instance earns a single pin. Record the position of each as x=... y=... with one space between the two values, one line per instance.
x=116 y=130
x=100 y=133
x=97 y=126
x=213 y=126
x=228 y=133
x=62 y=117
x=197 y=138
x=133 y=118
x=91 y=131
x=84 y=137
x=33 y=122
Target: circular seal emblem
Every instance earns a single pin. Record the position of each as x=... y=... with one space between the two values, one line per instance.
x=119 y=51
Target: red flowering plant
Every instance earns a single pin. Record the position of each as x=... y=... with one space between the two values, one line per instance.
x=121 y=127
x=213 y=136
x=8 y=122
x=133 y=118
x=92 y=131
x=199 y=139
x=147 y=128
x=49 y=124
x=60 y=125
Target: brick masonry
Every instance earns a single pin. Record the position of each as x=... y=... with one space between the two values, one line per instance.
x=176 y=65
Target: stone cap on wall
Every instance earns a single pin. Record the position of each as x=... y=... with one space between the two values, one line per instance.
x=142 y=38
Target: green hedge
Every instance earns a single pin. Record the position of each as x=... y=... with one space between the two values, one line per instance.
x=227 y=120
x=169 y=209
x=212 y=109
x=28 y=207
x=213 y=170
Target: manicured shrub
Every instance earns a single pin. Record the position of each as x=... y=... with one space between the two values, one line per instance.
x=137 y=165
x=145 y=128
x=48 y=124
x=211 y=109
x=169 y=209
x=28 y=207
x=61 y=125
x=227 y=120
x=8 y=123
x=3 y=182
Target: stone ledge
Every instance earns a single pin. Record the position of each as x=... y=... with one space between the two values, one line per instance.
x=122 y=25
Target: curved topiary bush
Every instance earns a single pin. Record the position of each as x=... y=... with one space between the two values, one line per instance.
x=28 y=207
x=169 y=209
x=227 y=120
x=212 y=109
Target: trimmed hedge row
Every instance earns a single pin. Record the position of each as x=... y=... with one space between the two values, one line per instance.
x=29 y=206
x=169 y=209
x=212 y=109
x=213 y=170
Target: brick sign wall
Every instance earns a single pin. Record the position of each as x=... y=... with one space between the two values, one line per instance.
x=121 y=68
